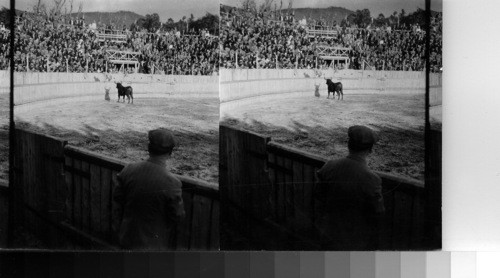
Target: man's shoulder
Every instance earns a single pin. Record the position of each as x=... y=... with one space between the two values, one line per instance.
x=332 y=163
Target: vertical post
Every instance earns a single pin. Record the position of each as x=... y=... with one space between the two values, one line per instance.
x=257 y=60
x=67 y=66
x=48 y=69
x=316 y=62
x=27 y=63
x=363 y=65
x=277 y=61
x=106 y=66
x=87 y=65
x=296 y=62
x=236 y=54
x=404 y=65
x=383 y=65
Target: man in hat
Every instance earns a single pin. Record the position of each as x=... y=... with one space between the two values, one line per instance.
x=351 y=195
x=150 y=197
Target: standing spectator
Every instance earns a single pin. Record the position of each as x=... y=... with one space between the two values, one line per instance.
x=351 y=195
x=150 y=198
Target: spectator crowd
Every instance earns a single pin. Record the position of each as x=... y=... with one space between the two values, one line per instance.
x=256 y=40
x=4 y=48
x=247 y=40
x=43 y=44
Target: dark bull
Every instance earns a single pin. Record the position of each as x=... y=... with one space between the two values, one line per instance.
x=124 y=91
x=334 y=87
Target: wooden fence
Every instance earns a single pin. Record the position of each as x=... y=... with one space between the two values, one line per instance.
x=67 y=192
x=267 y=190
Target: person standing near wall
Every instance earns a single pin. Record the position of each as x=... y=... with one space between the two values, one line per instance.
x=351 y=196
x=150 y=198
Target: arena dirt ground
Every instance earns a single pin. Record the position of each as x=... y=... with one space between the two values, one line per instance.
x=319 y=125
x=119 y=130
x=4 y=137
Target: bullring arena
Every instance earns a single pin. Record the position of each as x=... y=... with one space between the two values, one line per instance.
x=72 y=107
x=282 y=104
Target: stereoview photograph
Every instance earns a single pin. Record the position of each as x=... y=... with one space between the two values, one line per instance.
x=326 y=141
x=116 y=125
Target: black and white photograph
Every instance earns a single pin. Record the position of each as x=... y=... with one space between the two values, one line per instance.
x=116 y=114
x=329 y=138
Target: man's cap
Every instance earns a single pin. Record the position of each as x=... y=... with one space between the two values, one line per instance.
x=161 y=141
x=362 y=136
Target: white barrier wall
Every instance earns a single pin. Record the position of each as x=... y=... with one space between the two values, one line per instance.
x=4 y=82
x=243 y=83
x=435 y=89
x=33 y=87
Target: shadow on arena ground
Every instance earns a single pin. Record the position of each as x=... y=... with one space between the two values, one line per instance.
x=196 y=156
x=399 y=151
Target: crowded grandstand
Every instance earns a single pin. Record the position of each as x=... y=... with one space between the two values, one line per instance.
x=67 y=43
x=252 y=37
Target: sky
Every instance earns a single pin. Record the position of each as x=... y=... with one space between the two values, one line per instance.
x=174 y=9
x=387 y=7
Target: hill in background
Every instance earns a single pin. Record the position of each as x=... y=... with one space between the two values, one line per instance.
x=119 y=18
x=329 y=14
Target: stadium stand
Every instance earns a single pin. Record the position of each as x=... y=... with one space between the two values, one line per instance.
x=44 y=45
x=254 y=40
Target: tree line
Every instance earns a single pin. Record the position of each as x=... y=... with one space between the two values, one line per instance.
x=152 y=23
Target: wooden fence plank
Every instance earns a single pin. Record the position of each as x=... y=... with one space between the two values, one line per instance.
x=281 y=194
x=95 y=200
x=115 y=208
x=387 y=229
x=289 y=194
x=274 y=187
x=214 y=226
x=200 y=227
x=309 y=178
x=85 y=198
x=61 y=181
x=70 y=199
x=299 y=184
x=77 y=206
x=184 y=227
x=402 y=221
x=417 y=225
x=105 y=213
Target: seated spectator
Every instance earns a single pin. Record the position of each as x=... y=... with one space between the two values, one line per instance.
x=351 y=196
x=150 y=198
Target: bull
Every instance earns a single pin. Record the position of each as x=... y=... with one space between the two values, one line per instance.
x=334 y=87
x=124 y=91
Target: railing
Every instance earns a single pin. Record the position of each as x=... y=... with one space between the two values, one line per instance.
x=119 y=38
x=322 y=33
x=122 y=57
x=64 y=194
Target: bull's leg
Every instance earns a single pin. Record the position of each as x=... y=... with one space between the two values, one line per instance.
x=328 y=94
x=118 y=98
x=132 y=97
